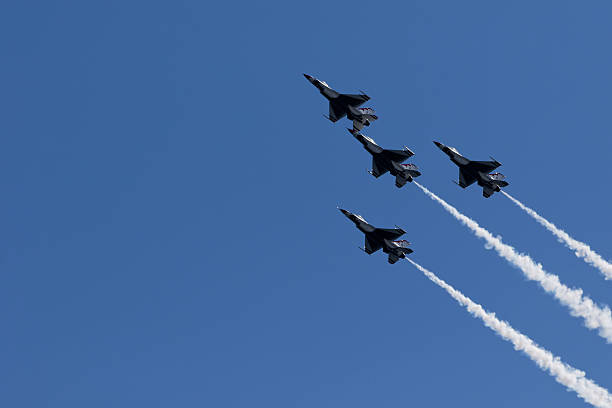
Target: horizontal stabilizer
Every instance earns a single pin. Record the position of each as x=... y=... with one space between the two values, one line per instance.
x=400 y=181
x=501 y=183
x=487 y=192
x=393 y=258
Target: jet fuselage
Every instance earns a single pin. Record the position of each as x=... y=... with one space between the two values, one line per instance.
x=325 y=90
x=368 y=144
x=359 y=222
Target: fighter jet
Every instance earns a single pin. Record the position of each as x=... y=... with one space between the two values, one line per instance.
x=377 y=238
x=476 y=171
x=341 y=105
x=388 y=160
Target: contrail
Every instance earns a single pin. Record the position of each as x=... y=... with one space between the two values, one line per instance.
x=565 y=374
x=581 y=249
x=594 y=316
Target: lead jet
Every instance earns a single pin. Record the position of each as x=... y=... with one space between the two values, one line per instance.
x=388 y=160
x=341 y=105
x=377 y=238
x=476 y=171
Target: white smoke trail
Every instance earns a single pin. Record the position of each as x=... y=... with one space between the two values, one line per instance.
x=565 y=374
x=594 y=316
x=581 y=249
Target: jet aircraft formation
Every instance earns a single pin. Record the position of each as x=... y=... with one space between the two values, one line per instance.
x=392 y=161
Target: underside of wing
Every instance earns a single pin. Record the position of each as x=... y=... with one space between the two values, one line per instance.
x=397 y=155
x=466 y=179
x=390 y=233
x=336 y=111
x=353 y=100
x=378 y=168
x=484 y=166
x=339 y=106
x=371 y=245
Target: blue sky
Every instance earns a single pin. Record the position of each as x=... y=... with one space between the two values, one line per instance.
x=170 y=234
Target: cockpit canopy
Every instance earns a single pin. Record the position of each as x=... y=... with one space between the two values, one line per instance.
x=454 y=149
x=369 y=139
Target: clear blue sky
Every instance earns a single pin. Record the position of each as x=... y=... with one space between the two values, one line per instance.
x=170 y=234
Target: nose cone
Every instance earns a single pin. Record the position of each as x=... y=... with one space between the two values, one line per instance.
x=440 y=145
x=343 y=211
x=308 y=77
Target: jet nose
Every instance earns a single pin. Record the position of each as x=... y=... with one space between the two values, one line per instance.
x=308 y=77
x=440 y=145
x=343 y=211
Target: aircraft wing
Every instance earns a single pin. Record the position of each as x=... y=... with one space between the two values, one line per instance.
x=466 y=179
x=339 y=106
x=378 y=168
x=371 y=246
x=484 y=166
x=397 y=155
x=390 y=234
x=336 y=111
x=353 y=100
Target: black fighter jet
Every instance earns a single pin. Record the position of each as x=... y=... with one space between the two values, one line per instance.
x=341 y=105
x=388 y=160
x=479 y=171
x=376 y=238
